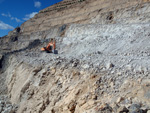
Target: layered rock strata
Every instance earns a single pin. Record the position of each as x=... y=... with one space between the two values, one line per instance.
x=89 y=11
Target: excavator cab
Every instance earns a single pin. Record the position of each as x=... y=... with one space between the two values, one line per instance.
x=50 y=48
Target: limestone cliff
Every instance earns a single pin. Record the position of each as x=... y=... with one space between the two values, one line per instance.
x=102 y=65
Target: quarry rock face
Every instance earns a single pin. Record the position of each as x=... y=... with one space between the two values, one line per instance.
x=89 y=11
x=102 y=64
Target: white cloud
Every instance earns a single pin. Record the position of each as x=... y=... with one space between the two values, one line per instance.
x=6 y=15
x=3 y=14
x=28 y=16
x=5 y=26
x=37 y=4
x=18 y=20
x=12 y=18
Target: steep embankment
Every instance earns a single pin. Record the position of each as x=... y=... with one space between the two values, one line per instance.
x=99 y=68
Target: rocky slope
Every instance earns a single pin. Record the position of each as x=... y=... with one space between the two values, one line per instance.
x=89 y=11
x=102 y=65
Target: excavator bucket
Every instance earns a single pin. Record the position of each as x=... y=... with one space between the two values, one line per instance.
x=42 y=49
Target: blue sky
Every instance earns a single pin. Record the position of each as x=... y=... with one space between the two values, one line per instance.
x=14 y=12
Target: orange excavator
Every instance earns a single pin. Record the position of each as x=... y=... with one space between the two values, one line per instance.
x=50 y=47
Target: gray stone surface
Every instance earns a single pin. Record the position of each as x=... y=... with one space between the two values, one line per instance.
x=6 y=106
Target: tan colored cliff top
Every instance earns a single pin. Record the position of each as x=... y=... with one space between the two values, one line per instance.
x=88 y=11
x=61 y=5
